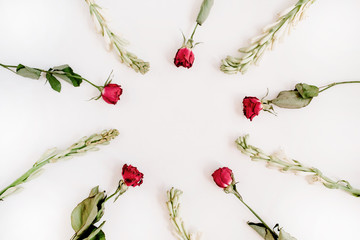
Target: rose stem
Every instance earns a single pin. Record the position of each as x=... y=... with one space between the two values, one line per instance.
x=121 y=189
x=8 y=67
x=192 y=35
x=336 y=83
x=237 y=194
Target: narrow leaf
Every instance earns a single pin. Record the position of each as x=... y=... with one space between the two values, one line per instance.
x=54 y=83
x=204 y=11
x=28 y=72
x=9 y=191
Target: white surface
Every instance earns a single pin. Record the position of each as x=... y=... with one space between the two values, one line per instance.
x=178 y=125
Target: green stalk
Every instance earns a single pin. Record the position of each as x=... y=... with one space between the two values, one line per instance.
x=237 y=194
x=336 y=83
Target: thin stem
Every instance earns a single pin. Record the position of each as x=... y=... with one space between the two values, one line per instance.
x=192 y=35
x=336 y=83
x=237 y=194
x=112 y=195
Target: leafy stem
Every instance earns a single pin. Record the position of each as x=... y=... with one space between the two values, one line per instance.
x=285 y=164
x=271 y=34
x=84 y=145
x=126 y=57
x=71 y=74
x=173 y=205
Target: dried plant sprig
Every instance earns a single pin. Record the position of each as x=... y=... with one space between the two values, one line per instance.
x=113 y=40
x=173 y=205
x=285 y=164
x=266 y=41
x=85 y=144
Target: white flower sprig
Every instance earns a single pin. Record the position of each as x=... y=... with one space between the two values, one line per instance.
x=85 y=144
x=266 y=41
x=113 y=40
x=285 y=164
x=173 y=205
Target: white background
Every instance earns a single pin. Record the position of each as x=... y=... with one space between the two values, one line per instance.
x=179 y=125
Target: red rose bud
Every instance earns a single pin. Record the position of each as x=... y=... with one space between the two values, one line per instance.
x=252 y=107
x=111 y=93
x=223 y=177
x=132 y=176
x=184 y=57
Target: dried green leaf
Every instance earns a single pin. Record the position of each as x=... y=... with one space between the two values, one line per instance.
x=54 y=83
x=94 y=191
x=86 y=212
x=99 y=236
x=290 y=99
x=204 y=11
x=262 y=230
x=28 y=72
x=65 y=72
x=285 y=236
x=97 y=233
x=307 y=91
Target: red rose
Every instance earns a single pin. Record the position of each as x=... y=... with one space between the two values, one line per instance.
x=132 y=176
x=184 y=57
x=252 y=107
x=223 y=177
x=111 y=93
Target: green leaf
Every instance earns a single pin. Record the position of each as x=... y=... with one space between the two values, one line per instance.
x=28 y=72
x=65 y=72
x=262 y=231
x=204 y=11
x=290 y=99
x=99 y=236
x=94 y=191
x=54 y=83
x=285 y=236
x=307 y=91
x=84 y=214
x=97 y=231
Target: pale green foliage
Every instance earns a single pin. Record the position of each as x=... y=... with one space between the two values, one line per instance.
x=270 y=36
x=113 y=40
x=285 y=164
x=84 y=145
x=173 y=205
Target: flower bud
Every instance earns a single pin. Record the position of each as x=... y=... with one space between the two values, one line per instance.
x=111 y=93
x=184 y=57
x=132 y=176
x=223 y=177
x=252 y=107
